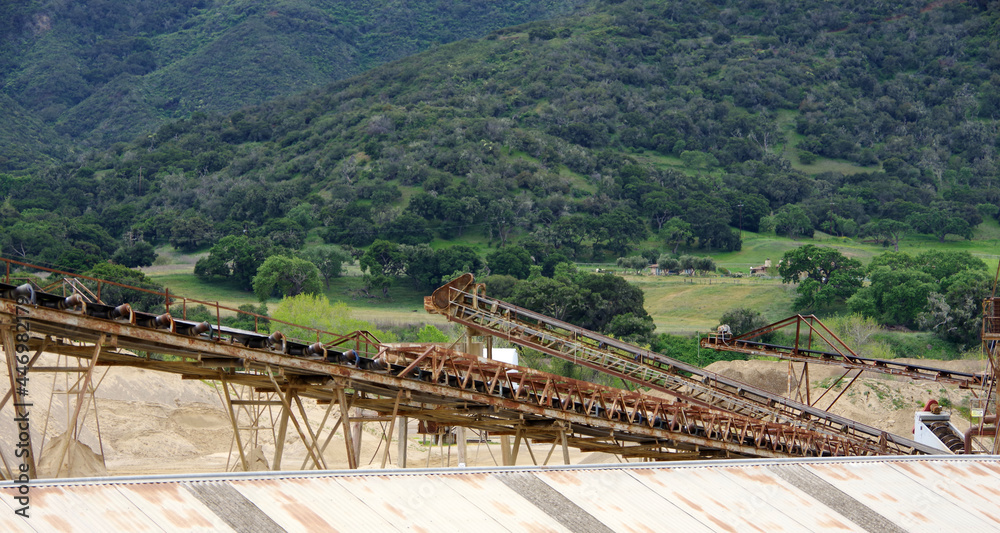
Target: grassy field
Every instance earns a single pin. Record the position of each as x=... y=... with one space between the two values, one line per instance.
x=756 y=248
x=678 y=305
x=404 y=307
x=683 y=306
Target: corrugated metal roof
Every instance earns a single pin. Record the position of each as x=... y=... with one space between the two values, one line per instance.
x=851 y=494
x=619 y=500
x=318 y=504
x=910 y=495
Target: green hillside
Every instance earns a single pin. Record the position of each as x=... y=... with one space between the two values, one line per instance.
x=621 y=128
x=103 y=71
x=586 y=133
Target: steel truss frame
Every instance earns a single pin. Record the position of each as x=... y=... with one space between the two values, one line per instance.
x=464 y=302
x=713 y=416
x=444 y=386
x=814 y=331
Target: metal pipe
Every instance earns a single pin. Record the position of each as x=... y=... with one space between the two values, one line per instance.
x=982 y=431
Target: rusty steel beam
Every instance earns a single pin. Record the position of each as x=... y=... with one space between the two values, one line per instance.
x=432 y=383
x=537 y=395
x=839 y=354
x=464 y=302
x=565 y=393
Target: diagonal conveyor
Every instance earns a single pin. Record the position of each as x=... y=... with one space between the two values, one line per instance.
x=464 y=302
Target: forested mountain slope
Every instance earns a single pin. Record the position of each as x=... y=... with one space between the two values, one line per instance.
x=101 y=71
x=580 y=135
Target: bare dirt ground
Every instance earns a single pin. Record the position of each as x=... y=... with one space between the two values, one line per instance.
x=156 y=423
x=880 y=400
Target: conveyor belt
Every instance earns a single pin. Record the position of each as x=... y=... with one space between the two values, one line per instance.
x=472 y=392
x=748 y=344
x=464 y=302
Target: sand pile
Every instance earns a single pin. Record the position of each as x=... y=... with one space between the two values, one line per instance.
x=66 y=457
x=771 y=376
x=880 y=400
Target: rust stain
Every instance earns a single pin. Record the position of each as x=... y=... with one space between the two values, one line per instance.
x=307 y=517
x=59 y=523
x=721 y=524
x=363 y=486
x=949 y=493
x=188 y=519
x=564 y=477
x=803 y=502
x=474 y=480
x=833 y=523
x=651 y=475
x=909 y=468
x=991 y=516
x=955 y=471
x=40 y=495
x=278 y=493
x=866 y=496
x=918 y=516
x=689 y=503
x=838 y=473
x=753 y=475
x=123 y=521
x=536 y=528
x=992 y=467
x=503 y=508
x=887 y=496
x=158 y=492
x=654 y=472
x=974 y=469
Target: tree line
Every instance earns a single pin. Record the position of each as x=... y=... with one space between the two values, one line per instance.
x=933 y=291
x=543 y=135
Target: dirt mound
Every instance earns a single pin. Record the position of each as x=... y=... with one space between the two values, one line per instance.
x=65 y=457
x=771 y=376
x=880 y=400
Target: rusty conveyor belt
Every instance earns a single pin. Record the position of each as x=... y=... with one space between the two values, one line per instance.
x=464 y=302
x=840 y=354
x=428 y=382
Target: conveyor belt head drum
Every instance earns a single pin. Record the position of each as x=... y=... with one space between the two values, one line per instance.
x=314 y=350
x=24 y=294
x=73 y=301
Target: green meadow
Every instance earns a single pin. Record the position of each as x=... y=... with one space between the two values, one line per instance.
x=679 y=305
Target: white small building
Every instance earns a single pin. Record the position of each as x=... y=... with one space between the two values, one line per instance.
x=504 y=355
